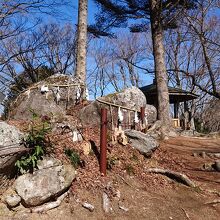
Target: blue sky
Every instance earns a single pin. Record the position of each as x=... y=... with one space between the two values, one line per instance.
x=91 y=11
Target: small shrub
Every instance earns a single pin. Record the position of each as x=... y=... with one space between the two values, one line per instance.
x=73 y=156
x=129 y=169
x=36 y=145
x=134 y=158
x=111 y=161
x=34 y=114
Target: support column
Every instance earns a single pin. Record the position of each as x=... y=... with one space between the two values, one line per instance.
x=176 y=110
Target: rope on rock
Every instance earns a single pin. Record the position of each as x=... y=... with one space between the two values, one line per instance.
x=116 y=105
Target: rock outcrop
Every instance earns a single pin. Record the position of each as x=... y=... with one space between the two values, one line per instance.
x=144 y=143
x=49 y=182
x=10 y=149
x=131 y=98
x=51 y=97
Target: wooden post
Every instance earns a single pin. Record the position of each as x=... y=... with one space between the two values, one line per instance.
x=142 y=115
x=176 y=109
x=103 y=142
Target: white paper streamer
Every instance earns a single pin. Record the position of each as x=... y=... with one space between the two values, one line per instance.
x=136 y=119
x=78 y=93
x=87 y=94
x=120 y=115
x=75 y=136
x=58 y=94
x=44 y=89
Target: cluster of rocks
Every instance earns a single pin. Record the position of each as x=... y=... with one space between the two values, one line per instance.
x=214 y=166
x=48 y=182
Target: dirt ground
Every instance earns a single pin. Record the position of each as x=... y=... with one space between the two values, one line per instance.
x=148 y=196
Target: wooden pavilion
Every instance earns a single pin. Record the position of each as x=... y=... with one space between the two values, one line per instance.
x=176 y=96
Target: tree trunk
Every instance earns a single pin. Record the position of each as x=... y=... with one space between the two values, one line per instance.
x=192 y=122
x=81 y=41
x=159 y=63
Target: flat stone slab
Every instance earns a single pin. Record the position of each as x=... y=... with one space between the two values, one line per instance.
x=144 y=143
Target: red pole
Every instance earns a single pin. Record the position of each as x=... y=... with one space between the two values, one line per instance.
x=142 y=114
x=103 y=142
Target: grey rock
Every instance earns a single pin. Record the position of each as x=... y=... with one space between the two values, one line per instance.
x=122 y=207
x=217 y=155
x=189 y=133
x=50 y=205
x=48 y=162
x=150 y=113
x=44 y=184
x=156 y=126
x=208 y=166
x=10 y=137
x=106 y=203
x=144 y=143
x=173 y=133
x=203 y=154
x=90 y=115
x=88 y=206
x=131 y=98
x=12 y=200
x=217 y=165
x=46 y=103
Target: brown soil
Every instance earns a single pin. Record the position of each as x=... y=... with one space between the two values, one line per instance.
x=147 y=196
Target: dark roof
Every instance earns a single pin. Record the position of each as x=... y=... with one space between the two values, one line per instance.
x=175 y=94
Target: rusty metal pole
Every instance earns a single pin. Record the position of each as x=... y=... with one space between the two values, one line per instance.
x=142 y=114
x=142 y=117
x=103 y=142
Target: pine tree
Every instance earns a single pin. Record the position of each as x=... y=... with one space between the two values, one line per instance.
x=136 y=14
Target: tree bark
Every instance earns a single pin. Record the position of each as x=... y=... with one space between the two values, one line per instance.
x=81 y=41
x=159 y=63
x=192 y=122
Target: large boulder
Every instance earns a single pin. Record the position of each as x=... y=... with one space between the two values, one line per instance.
x=10 y=149
x=45 y=103
x=49 y=182
x=144 y=143
x=131 y=98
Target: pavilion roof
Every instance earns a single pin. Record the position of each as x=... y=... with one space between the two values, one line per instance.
x=175 y=94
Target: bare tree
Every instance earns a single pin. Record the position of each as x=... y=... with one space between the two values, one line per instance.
x=59 y=47
x=49 y=49
x=117 y=62
x=15 y=14
x=192 y=55
x=18 y=17
x=199 y=46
